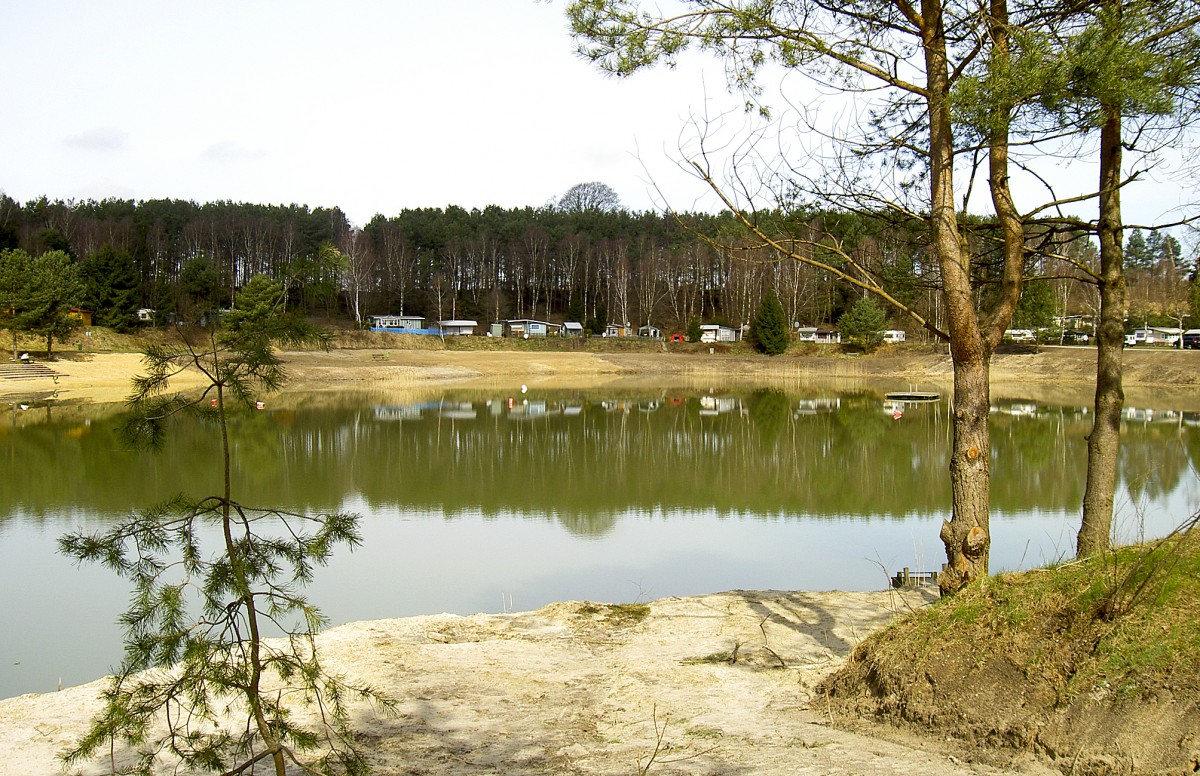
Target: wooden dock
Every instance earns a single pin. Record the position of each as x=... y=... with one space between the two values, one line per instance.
x=906 y=579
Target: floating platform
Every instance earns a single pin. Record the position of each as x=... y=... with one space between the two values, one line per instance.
x=912 y=396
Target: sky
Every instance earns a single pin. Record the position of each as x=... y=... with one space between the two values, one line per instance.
x=372 y=106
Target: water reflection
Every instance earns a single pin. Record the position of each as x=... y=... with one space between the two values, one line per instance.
x=545 y=496
x=585 y=459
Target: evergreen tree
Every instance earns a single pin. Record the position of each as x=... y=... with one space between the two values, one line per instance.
x=1137 y=251
x=218 y=658
x=54 y=240
x=770 y=327
x=1170 y=251
x=863 y=322
x=9 y=239
x=1194 y=302
x=575 y=309
x=598 y=324
x=111 y=288
x=18 y=304
x=1036 y=306
x=57 y=289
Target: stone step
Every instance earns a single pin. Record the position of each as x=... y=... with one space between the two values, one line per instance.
x=25 y=371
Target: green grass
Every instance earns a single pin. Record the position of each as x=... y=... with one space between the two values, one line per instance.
x=616 y=615
x=1128 y=621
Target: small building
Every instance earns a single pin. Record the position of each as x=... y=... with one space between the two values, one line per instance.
x=712 y=332
x=81 y=315
x=618 y=330
x=650 y=332
x=819 y=334
x=526 y=328
x=572 y=329
x=398 y=323
x=892 y=336
x=457 y=328
x=145 y=315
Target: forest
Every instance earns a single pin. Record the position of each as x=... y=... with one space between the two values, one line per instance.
x=579 y=259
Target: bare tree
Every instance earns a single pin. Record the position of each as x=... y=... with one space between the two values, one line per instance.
x=359 y=268
x=584 y=197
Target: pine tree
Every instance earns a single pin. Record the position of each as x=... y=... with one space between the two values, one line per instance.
x=770 y=326
x=1036 y=307
x=863 y=322
x=17 y=294
x=194 y=645
x=57 y=289
x=111 y=288
x=1137 y=251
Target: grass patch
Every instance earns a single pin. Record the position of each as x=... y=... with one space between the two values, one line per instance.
x=615 y=615
x=728 y=656
x=1126 y=620
x=1061 y=654
x=705 y=731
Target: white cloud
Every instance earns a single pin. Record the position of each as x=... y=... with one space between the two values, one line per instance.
x=98 y=139
x=231 y=152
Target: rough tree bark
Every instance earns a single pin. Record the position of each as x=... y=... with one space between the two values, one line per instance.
x=1105 y=439
x=966 y=535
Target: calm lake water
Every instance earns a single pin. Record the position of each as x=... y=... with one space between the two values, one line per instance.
x=474 y=502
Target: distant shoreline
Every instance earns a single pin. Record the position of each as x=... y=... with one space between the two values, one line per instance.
x=1159 y=379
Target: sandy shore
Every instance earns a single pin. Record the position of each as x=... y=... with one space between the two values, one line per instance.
x=1154 y=378
x=719 y=684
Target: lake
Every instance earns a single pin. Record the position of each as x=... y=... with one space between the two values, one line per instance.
x=492 y=502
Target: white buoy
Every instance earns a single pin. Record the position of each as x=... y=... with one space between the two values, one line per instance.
x=523 y=388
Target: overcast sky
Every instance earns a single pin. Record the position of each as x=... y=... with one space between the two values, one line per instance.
x=369 y=105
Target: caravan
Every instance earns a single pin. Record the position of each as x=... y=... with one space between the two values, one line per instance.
x=1154 y=335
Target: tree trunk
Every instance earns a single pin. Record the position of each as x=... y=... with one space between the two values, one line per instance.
x=253 y=641
x=966 y=535
x=1105 y=440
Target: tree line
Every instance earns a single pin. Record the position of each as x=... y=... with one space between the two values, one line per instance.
x=582 y=259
